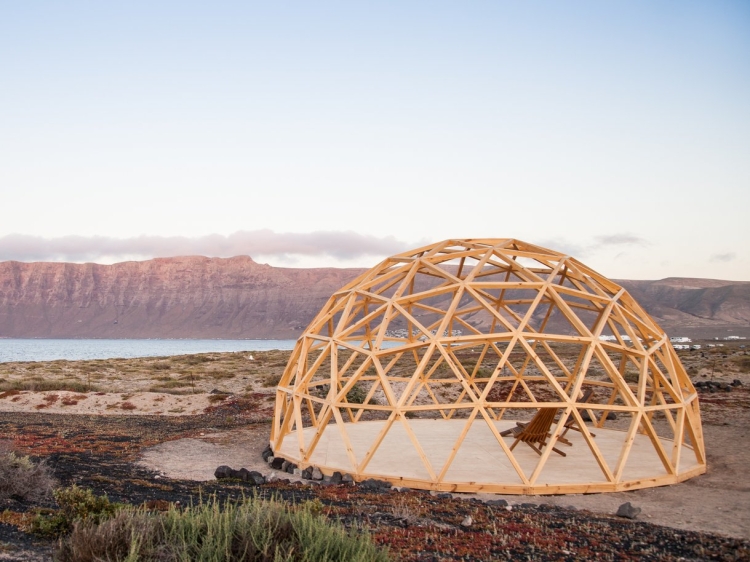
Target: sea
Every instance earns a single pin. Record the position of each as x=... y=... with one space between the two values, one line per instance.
x=77 y=349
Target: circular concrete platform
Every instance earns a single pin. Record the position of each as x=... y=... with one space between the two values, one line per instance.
x=480 y=463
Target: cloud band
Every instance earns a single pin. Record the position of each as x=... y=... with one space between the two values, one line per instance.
x=339 y=245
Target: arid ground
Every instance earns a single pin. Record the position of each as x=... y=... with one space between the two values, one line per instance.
x=155 y=429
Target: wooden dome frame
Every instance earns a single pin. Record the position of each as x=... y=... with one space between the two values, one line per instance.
x=411 y=372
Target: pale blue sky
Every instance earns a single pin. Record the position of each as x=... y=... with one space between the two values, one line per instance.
x=334 y=133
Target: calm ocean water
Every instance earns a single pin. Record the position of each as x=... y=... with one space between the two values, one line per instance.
x=49 y=350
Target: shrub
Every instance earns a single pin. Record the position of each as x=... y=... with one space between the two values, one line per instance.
x=197 y=359
x=40 y=385
x=168 y=381
x=23 y=479
x=271 y=380
x=75 y=504
x=250 y=530
x=356 y=395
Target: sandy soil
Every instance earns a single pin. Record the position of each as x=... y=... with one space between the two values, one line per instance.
x=104 y=404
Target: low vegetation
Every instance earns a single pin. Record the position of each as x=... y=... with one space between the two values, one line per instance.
x=23 y=479
x=237 y=372
x=75 y=505
x=248 y=530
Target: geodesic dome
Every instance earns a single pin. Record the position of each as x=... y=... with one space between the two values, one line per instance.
x=424 y=369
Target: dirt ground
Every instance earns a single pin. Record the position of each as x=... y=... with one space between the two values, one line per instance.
x=716 y=502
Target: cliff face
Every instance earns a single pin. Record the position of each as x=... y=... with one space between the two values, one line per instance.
x=185 y=297
x=693 y=303
x=197 y=297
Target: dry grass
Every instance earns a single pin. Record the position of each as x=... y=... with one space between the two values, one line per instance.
x=182 y=374
x=23 y=479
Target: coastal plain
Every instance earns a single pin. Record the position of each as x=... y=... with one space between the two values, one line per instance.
x=158 y=427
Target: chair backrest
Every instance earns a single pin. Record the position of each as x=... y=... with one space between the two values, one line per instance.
x=538 y=427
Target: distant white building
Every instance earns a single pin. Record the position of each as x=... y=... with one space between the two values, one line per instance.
x=680 y=339
x=680 y=346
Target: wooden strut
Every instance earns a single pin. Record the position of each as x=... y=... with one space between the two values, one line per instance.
x=531 y=323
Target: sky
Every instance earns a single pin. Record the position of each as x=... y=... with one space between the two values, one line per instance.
x=317 y=134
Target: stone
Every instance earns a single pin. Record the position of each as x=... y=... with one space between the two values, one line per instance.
x=307 y=473
x=347 y=479
x=291 y=468
x=244 y=475
x=235 y=474
x=257 y=478
x=445 y=496
x=297 y=472
x=628 y=511
x=336 y=477
x=317 y=474
x=273 y=477
x=497 y=503
x=736 y=382
x=223 y=472
x=267 y=452
x=285 y=466
x=529 y=505
x=375 y=484
x=467 y=521
x=277 y=463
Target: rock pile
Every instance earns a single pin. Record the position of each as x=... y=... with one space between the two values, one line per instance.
x=714 y=386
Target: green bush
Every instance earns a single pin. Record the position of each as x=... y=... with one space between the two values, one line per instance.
x=357 y=394
x=24 y=479
x=251 y=530
x=75 y=505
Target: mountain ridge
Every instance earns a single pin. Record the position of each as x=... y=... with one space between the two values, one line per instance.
x=201 y=297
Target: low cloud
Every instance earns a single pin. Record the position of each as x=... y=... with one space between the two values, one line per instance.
x=283 y=245
x=602 y=242
x=729 y=256
x=564 y=247
x=620 y=240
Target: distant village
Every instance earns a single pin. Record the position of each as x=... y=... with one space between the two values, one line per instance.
x=680 y=343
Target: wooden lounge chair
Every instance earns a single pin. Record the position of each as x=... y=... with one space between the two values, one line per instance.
x=536 y=432
x=570 y=424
